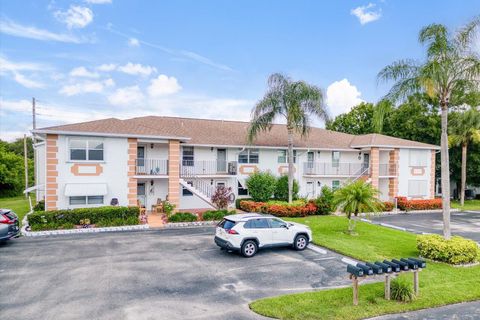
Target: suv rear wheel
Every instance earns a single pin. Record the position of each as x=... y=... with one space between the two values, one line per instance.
x=249 y=248
x=301 y=242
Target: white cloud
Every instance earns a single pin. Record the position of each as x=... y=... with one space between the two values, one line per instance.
x=133 y=42
x=366 y=14
x=75 y=16
x=106 y=67
x=84 y=87
x=126 y=96
x=137 y=69
x=27 y=83
x=98 y=1
x=13 y=69
x=342 y=96
x=109 y=83
x=83 y=73
x=14 y=29
x=163 y=85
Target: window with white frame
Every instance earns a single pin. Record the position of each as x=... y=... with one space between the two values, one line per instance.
x=188 y=156
x=283 y=156
x=83 y=200
x=248 y=156
x=335 y=158
x=85 y=149
x=418 y=158
x=417 y=188
x=241 y=190
x=185 y=191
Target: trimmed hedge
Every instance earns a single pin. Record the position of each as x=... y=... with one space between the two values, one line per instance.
x=408 y=205
x=182 y=217
x=280 y=210
x=238 y=200
x=100 y=216
x=456 y=250
x=388 y=206
x=216 y=215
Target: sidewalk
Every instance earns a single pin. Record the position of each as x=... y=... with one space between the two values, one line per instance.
x=463 y=311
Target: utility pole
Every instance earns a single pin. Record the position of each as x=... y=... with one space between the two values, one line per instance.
x=34 y=141
x=34 y=121
x=25 y=158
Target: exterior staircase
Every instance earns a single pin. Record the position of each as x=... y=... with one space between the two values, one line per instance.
x=200 y=187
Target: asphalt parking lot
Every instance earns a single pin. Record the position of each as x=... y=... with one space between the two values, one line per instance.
x=170 y=274
x=465 y=224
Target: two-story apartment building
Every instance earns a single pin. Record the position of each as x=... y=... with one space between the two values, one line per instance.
x=183 y=160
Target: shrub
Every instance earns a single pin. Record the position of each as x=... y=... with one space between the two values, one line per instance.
x=401 y=290
x=182 y=217
x=280 y=210
x=66 y=219
x=261 y=185
x=408 y=205
x=324 y=202
x=168 y=208
x=237 y=202
x=222 y=197
x=40 y=206
x=388 y=206
x=281 y=189
x=456 y=250
x=216 y=215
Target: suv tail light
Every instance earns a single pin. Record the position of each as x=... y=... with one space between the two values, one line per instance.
x=231 y=231
x=5 y=220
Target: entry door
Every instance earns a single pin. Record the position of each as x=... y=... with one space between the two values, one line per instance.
x=141 y=196
x=310 y=189
x=141 y=159
x=310 y=162
x=221 y=160
x=366 y=160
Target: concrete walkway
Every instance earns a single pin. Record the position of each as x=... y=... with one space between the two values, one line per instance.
x=463 y=311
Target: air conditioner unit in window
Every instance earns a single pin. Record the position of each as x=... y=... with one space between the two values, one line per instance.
x=232 y=168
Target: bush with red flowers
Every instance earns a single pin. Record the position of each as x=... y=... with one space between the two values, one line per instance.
x=407 y=205
x=279 y=209
x=388 y=206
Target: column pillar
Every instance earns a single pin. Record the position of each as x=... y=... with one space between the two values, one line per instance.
x=432 y=174
x=51 y=197
x=132 y=181
x=374 y=166
x=393 y=171
x=174 y=172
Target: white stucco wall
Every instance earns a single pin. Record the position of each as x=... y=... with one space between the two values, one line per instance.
x=406 y=171
x=40 y=170
x=114 y=171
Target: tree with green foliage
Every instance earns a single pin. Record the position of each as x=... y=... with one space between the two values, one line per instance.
x=356 y=197
x=261 y=185
x=12 y=173
x=359 y=120
x=464 y=128
x=325 y=201
x=451 y=65
x=281 y=189
x=294 y=101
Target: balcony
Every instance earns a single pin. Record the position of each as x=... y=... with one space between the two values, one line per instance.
x=387 y=170
x=334 y=169
x=207 y=168
x=151 y=167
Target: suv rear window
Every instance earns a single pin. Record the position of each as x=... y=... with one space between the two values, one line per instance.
x=226 y=224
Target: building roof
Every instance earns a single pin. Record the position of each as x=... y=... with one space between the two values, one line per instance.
x=225 y=133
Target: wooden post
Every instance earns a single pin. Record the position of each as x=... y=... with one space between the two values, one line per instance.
x=415 y=281
x=355 y=290
x=387 y=286
x=25 y=160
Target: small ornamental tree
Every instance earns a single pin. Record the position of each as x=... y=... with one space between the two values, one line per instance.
x=281 y=189
x=261 y=185
x=222 y=197
x=325 y=201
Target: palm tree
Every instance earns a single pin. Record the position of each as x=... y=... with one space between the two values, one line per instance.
x=451 y=65
x=357 y=197
x=295 y=102
x=464 y=128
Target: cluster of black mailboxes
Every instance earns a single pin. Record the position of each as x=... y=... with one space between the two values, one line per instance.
x=385 y=267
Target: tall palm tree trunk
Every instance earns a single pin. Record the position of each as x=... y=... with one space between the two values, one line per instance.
x=445 y=172
x=464 y=174
x=290 y=164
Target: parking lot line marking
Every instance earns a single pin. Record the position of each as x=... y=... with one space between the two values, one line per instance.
x=349 y=261
x=327 y=258
x=317 y=249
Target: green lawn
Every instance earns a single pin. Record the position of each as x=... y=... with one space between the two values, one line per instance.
x=440 y=284
x=18 y=204
x=469 y=205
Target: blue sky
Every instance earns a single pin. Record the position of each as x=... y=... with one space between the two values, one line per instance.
x=91 y=59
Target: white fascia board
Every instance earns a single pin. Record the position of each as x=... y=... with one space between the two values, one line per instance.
x=103 y=134
x=265 y=147
x=397 y=147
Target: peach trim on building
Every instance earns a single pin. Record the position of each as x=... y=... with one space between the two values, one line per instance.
x=284 y=169
x=51 y=175
x=417 y=171
x=432 y=175
x=174 y=172
x=393 y=171
x=247 y=168
x=77 y=168
x=375 y=166
x=132 y=181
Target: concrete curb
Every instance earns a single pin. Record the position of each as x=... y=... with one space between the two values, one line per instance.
x=391 y=213
x=174 y=225
x=85 y=230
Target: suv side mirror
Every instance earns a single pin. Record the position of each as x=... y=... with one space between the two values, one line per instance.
x=285 y=226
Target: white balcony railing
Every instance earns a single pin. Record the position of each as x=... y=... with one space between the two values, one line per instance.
x=334 y=169
x=207 y=167
x=151 y=167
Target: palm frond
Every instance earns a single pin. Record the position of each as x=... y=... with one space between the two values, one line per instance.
x=466 y=34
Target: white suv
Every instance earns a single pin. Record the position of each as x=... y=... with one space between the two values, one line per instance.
x=247 y=232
